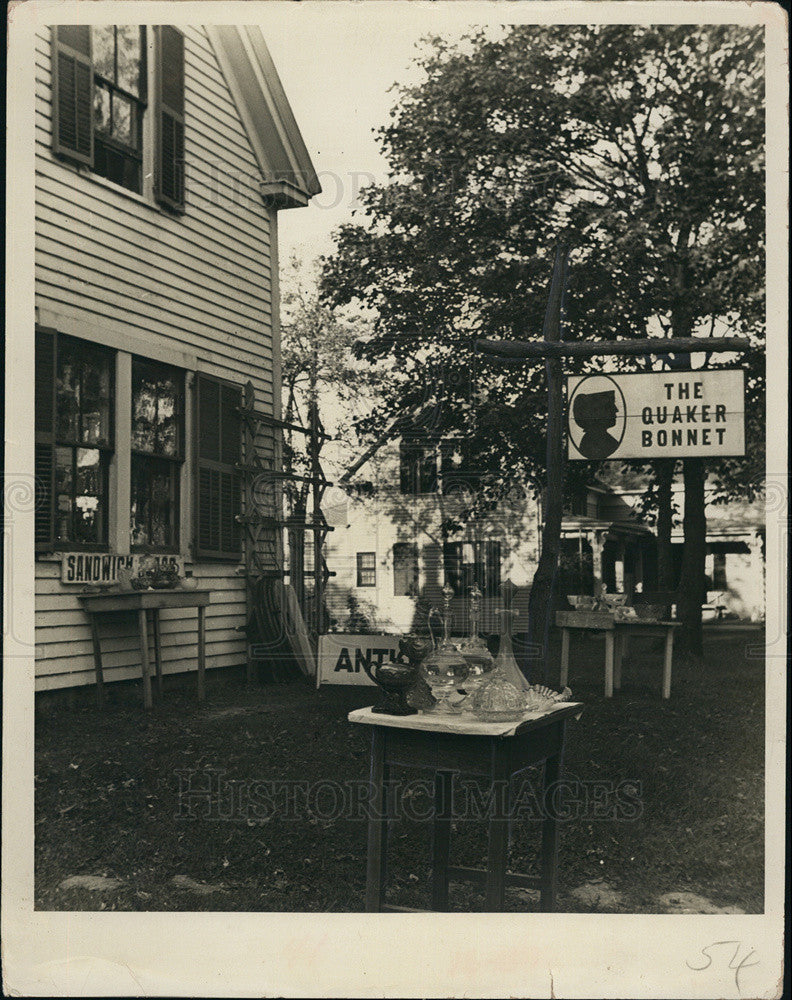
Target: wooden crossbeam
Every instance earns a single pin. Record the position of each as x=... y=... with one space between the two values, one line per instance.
x=526 y=349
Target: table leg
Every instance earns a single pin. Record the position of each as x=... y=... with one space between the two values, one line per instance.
x=564 y=657
x=618 y=656
x=441 y=838
x=201 y=654
x=609 y=664
x=495 y=895
x=144 y=656
x=155 y=617
x=552 y=774
x=97 y=654
x=669 y=656
x=377 y=825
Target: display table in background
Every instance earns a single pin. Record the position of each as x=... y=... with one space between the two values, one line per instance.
x=444 y=745
x=141 y=602
x=617 y=636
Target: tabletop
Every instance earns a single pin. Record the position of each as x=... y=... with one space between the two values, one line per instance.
x=466 y=725
x=605 y=620
x=144 y=600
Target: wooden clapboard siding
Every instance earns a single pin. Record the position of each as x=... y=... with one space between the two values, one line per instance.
x=200 y=283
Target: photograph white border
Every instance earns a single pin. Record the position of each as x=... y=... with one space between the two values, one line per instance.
x=365 y=955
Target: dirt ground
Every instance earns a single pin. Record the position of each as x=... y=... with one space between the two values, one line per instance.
x=114 y=818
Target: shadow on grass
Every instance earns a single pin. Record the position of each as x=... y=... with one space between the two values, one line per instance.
x=107 y=795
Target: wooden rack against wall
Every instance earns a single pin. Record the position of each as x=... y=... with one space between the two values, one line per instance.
x=262 y=515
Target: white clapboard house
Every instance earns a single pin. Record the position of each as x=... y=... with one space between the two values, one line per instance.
x=163 y=155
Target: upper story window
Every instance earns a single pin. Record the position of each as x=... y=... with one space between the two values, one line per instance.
x=100 y=90
x=119 y=57
x=417 y=467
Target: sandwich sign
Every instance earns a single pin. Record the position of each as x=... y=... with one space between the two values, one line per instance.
x=656 y=414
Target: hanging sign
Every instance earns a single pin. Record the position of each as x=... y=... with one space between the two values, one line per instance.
x=342 y=656
x=656 y=415
x=98 y=568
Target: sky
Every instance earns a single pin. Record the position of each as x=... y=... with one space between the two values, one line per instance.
x=337 y=62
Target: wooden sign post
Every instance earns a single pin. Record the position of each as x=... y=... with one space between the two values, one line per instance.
x=552 y=349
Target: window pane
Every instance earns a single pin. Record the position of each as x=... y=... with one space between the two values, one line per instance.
x=162 y=506
x=144 y=414
x=89 y=479
x=104 y=51
x=96 y=400
x=139 y=503
x=129 y=52
x=67 y=412
x=366 y=569
x=88 y=519
x=122 y=120
x=167 y=418
x=153 y=502
x=102 y=109
x=156 y=410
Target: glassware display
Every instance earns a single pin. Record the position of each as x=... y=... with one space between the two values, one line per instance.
x=505 y=663
x=502 y=693
x=445 y=669
x=497 y=699
x=474 y=648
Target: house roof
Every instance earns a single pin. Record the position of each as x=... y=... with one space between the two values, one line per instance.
x=288 y=176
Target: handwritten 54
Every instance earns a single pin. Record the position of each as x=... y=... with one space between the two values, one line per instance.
x=735 y=962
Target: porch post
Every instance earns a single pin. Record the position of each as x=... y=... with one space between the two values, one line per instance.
x=596 y=561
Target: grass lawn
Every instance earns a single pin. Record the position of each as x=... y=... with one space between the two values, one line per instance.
x=107 y=788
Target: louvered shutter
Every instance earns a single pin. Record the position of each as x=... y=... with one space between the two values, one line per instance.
x=169 y=117
x=44 y=519
x=72 y=100
x=217 y=451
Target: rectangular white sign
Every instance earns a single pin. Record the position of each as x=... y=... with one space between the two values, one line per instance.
x=341 y=656
x=99 y=568
x=656 y=415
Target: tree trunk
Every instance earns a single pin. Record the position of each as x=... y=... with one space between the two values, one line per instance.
x=692 y=587
x=540 y=601
x=664 y=476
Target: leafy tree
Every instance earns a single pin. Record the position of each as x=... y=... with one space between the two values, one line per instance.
x=643 y=149
x=319 y=375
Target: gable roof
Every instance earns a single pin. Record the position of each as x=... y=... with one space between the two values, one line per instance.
x=288 y=176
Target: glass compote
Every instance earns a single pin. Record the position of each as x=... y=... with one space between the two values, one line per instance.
x=445 y=668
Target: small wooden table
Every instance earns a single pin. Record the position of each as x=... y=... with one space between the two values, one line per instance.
x=617 y=636
x=445 y=745
x=143 y=601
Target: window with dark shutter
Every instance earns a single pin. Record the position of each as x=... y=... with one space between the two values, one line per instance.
x=217 y=453
x=74 y=441
x=169 y=117
x=72 y=105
